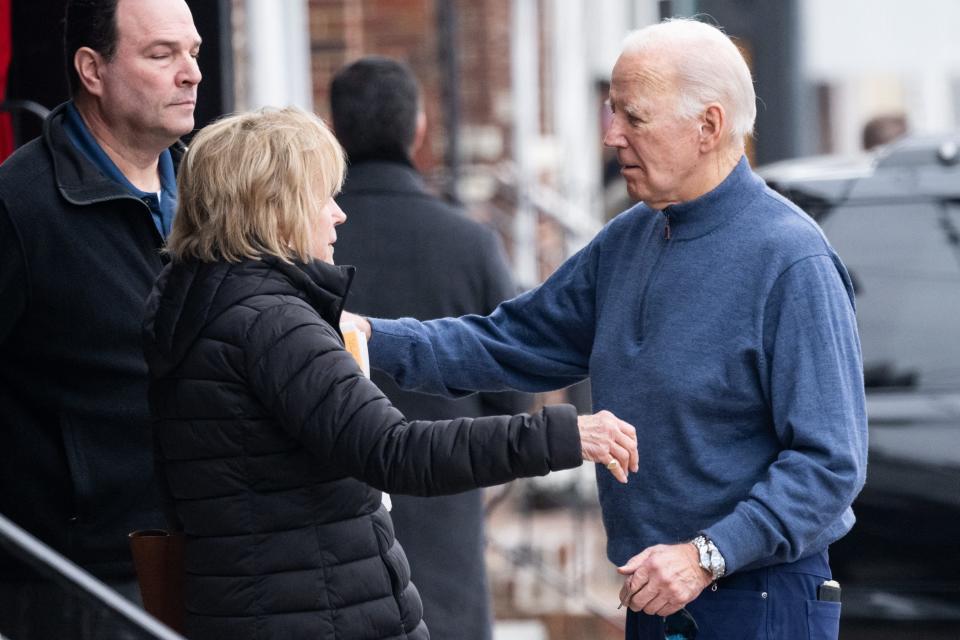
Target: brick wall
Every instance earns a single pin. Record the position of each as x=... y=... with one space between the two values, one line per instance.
x=343 y=30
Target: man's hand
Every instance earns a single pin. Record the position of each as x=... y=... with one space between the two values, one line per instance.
x=361 y=323
x=606 y=439
x=663 y=579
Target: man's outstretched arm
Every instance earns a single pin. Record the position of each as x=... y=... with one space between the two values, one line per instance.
x=538 y=341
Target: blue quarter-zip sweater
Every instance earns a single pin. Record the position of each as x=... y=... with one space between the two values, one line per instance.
x=723 y=329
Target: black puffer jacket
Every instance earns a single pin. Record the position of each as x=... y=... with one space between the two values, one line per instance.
x=271 y=443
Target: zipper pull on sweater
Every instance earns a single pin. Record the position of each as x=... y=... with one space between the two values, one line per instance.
x=666 y=226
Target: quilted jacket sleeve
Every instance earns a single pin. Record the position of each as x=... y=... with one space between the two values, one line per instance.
x=297 y=367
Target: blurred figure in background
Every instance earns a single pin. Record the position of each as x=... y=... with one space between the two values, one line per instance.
x=418 y=256
x=883 y=129
x=84 y=211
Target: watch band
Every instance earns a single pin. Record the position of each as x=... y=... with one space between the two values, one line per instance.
x=711 y=560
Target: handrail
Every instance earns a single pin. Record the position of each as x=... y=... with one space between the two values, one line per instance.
x=46 y=560
x=29 y=106
x=16 y=108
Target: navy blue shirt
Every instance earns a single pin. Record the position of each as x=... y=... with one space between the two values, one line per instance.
x=162 y=205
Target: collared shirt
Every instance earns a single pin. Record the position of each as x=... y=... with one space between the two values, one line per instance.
x=162 y=204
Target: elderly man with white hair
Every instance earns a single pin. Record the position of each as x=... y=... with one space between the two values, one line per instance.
x=716 y=318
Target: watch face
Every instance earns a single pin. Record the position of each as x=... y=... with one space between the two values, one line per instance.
x=704 y=552
x=714 y=564
x=717 y=564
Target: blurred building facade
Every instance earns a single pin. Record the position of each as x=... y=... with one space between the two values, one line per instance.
x=514 y=88
x=867 y=58
x=514 y=93
x=509 y=97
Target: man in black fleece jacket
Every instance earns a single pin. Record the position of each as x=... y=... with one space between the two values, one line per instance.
x=84 y=211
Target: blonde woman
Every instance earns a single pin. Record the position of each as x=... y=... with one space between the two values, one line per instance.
x=272 y=445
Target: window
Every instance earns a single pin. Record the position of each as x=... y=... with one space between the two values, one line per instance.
x=904 y=259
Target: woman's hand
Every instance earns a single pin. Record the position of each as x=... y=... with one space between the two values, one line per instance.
x=359 y=321
x=606 y=439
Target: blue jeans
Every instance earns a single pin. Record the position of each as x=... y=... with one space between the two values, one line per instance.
x=772 y=603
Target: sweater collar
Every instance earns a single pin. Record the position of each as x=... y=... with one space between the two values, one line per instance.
x=715 y=208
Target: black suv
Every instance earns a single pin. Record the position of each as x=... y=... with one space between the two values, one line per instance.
x=894 y=218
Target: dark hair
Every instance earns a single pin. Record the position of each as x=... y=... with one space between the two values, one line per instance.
x=883 y=129
x=374 y=103
x=88 y=23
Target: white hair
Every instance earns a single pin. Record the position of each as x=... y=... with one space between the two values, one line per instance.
x=709 y=68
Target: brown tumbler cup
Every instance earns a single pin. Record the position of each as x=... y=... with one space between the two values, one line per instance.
x=158 y=560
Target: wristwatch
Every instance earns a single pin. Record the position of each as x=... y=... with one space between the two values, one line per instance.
x=711 y=560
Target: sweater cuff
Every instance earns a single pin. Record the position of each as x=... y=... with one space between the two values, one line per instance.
x=563 y=436
x=386 y=345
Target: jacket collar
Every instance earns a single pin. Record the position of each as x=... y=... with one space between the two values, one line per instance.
x=715 y=208
x=324 y=286
x=187 y=295
x=79 y=181
x=380 y=176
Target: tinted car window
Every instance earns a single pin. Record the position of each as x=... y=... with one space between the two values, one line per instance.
x=905 y=262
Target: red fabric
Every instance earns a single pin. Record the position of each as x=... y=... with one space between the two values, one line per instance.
x=6 y=52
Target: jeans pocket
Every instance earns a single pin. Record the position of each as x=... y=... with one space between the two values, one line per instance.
x=823 y=620
x=730 y=614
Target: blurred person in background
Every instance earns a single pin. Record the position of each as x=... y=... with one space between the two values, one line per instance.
x=883 y=129
x=716 y=318
x=378 y=117
x=272 y=445
x=84 y=211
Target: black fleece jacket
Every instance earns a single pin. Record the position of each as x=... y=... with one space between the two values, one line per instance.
x=78 y=256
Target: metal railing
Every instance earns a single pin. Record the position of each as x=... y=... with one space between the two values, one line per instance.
x=16 y=109
x=48 y=562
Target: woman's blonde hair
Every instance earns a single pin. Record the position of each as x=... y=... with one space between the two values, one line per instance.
x=252 y=184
